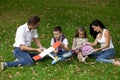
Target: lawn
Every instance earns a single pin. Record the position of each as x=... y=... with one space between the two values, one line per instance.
x=69 y=14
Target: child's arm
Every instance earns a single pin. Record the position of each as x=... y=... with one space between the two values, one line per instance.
x=74 y=44
x=65 y=47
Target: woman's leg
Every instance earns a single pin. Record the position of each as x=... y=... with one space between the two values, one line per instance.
x=105 y=56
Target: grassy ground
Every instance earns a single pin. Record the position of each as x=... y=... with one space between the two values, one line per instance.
x=69 y=14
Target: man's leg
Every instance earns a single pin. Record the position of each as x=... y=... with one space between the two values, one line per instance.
x=23 y=57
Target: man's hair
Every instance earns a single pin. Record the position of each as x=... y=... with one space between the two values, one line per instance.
x=57 y=28
x=33 y=20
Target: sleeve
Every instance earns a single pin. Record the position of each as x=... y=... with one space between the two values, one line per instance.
x=35 y=35
x=20 y=37
x=86 y=40
x=52 y=42
x=74 y=44
x=65 y=41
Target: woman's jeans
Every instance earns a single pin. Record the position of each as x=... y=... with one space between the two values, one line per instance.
x=24 y=58
x=104 y=56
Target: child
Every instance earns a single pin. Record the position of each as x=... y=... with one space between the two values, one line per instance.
x=80 y=46
x=58 y=36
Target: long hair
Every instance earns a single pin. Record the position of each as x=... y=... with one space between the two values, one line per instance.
x=96 y=23
x=81 y=29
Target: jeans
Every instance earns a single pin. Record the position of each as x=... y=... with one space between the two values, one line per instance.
x=68 y=54
x=24 y=58
x=104 y=56
x=59 y=54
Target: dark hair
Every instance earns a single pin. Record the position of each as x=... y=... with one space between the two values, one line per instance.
x=81 y=29
x=33 y=20
x=57 y=28
x=96 y=23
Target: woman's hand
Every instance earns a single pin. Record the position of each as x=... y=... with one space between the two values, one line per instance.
x=95 y=50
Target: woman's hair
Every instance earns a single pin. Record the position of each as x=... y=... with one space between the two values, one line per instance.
x=82 y=29
x=33 y=20
x=96 y=23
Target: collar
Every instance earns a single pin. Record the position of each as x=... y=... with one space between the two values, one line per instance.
x=26 y=27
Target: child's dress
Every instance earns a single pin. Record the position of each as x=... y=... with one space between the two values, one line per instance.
x=81 y=45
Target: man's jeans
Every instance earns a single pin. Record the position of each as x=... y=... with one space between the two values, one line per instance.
x=24 y=58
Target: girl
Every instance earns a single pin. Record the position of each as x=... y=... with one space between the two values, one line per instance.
x=80 y=46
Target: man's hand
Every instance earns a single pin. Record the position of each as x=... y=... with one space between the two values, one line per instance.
x=42 y=48
x=38 y=50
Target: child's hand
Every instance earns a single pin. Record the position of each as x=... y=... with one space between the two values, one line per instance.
x=76 y=51
x=55 y=51
x=42 y=48
x=62 y=45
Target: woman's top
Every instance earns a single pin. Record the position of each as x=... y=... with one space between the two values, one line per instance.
x=102 y=41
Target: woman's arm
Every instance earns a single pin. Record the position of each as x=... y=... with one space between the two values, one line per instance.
x=107 y=42
x=95 y=42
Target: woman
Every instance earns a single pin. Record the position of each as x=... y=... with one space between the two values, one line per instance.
x=102 y=36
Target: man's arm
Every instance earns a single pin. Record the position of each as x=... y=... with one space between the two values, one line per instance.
x=37 y=41
x=25 y=48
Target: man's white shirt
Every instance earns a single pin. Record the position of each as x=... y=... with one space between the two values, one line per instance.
x=24 y=36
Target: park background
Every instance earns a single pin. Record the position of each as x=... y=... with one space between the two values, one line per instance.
x=69 y=14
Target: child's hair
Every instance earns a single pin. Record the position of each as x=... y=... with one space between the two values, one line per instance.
x=82 y=29
x=57 y=28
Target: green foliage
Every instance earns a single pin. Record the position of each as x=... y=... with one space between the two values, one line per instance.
x=69 y=14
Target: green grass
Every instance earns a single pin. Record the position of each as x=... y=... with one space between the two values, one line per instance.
x=69 y=14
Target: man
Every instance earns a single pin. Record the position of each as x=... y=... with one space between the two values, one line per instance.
x=22 y=46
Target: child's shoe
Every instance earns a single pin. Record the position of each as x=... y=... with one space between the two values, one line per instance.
x=84 y=58
x=54 y=61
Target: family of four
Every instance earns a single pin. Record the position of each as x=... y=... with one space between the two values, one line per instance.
x=27 y=33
